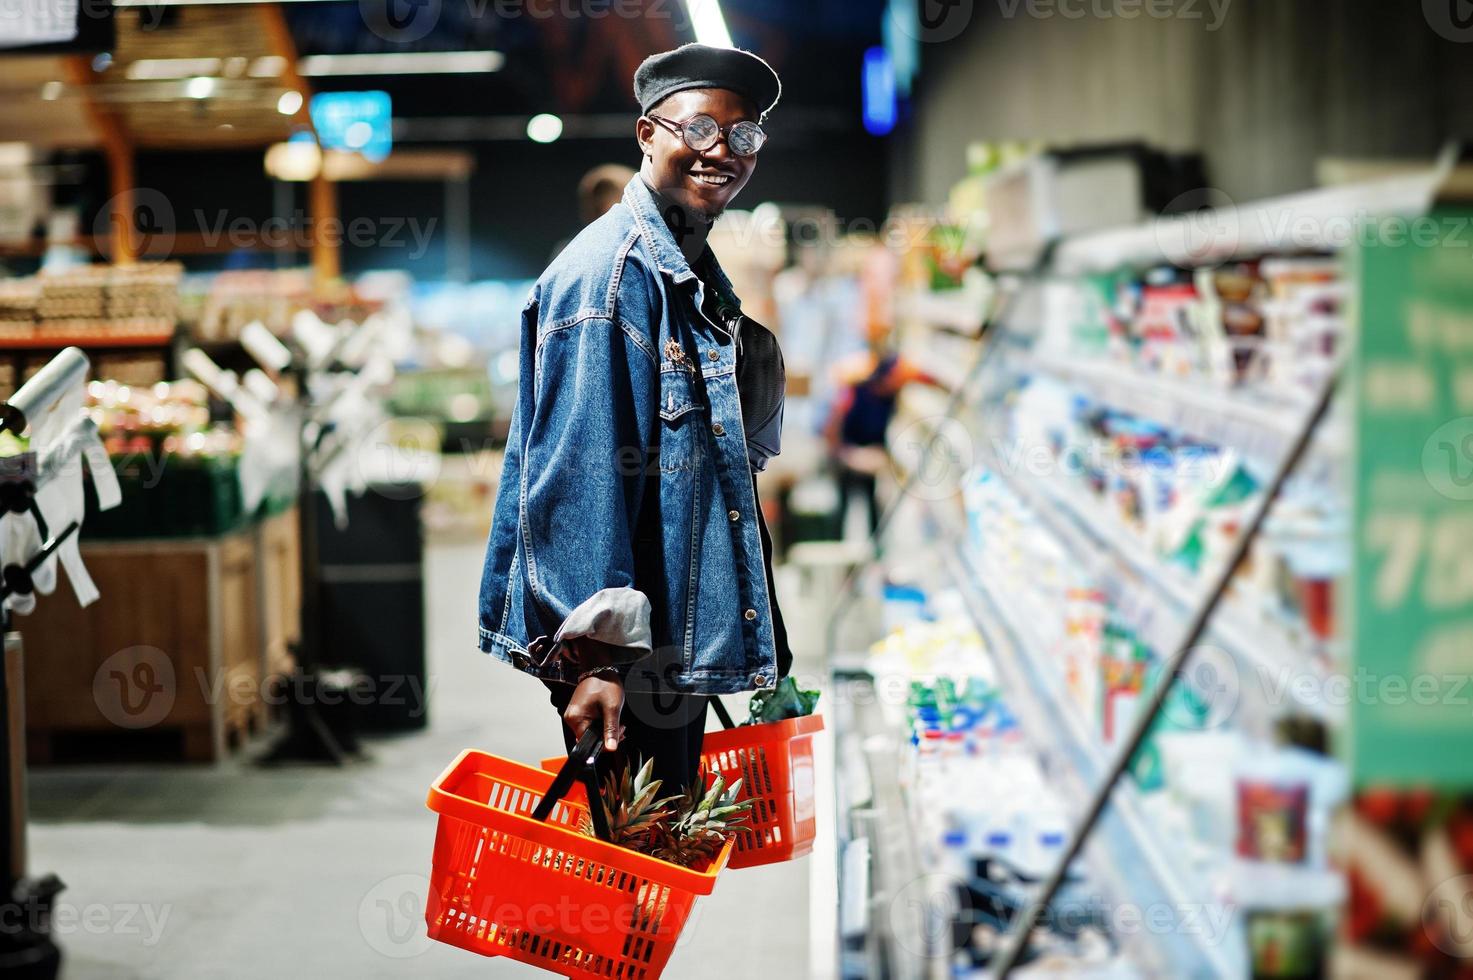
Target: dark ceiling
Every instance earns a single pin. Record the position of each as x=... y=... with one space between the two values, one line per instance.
x=578 y=56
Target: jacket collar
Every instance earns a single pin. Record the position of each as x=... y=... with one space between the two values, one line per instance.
x=668 y=256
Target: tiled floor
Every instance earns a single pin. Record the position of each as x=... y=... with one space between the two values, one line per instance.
x=237 y=872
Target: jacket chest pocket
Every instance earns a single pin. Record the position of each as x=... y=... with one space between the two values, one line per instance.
x=680 y=414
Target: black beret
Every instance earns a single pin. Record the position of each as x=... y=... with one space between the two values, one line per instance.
x=702 y=66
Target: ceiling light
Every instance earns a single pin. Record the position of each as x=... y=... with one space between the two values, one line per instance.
x=544 y=128
x=358 y=135
x=290 y=103
x=199 y=87
x=51 y=91
x=294 y=160
x=710 y=26
x=172 y=69
x=267 y=66
x=403 y=63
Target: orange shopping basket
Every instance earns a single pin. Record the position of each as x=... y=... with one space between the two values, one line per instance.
x=514 y=877
x=775 y=763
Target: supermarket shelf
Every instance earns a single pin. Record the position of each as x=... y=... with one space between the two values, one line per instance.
x=1261 y=647
x=56 y=341
x=1201 y=410
x=1319 y=220
x=1133 y=855
x=1258 y=644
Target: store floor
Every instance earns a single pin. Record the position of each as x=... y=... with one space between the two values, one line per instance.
x=235 y=871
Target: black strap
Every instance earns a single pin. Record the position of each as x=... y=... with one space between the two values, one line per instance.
x=580 y=766
x=721 y=713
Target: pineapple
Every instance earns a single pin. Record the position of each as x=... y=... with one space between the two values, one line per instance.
x=633 y=807
x=701 y=824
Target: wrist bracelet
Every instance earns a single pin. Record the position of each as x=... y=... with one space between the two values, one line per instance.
x=607 y=671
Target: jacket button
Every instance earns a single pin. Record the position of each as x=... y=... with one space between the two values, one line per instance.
x=719 y=429
x=735 y=515
x=750 y=614
x=713 y=355
x=760 y=680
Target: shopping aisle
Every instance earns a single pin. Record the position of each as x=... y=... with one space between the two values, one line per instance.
x=235 y=871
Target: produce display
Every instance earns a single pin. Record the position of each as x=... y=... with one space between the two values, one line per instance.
x=97 y=302
x=178 y=468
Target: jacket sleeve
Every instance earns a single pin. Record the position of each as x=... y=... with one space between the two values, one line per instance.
x=596 y=393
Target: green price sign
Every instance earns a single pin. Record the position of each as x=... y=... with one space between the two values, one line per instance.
x=1410 y=614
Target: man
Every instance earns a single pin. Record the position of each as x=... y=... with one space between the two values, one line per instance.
x=628 y=564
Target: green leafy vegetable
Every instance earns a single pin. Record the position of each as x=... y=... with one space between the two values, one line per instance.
x=781 y=703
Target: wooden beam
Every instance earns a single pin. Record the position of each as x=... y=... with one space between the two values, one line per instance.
x=327 y=237
x=322 y=197
x=119 y=152
x=279 y=40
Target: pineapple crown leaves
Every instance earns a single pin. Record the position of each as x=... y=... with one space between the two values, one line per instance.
x=683 y=829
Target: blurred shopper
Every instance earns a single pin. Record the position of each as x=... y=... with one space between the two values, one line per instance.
x=628 y=565
x=868 y=385
x=598 y=191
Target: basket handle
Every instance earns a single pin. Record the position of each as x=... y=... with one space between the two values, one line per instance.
x=721 y=712
x=580 y=766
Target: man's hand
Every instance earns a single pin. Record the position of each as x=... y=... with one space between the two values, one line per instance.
x=596 y=700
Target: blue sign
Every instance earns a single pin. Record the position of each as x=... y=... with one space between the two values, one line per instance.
x=361 y=122
x=879 y=92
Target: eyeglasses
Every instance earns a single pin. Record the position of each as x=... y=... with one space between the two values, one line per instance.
x=701 y=132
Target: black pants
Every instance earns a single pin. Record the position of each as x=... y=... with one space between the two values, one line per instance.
x=858 y=483
x=665 y=726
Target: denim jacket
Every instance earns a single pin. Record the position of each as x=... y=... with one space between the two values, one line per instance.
x=627 y=510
